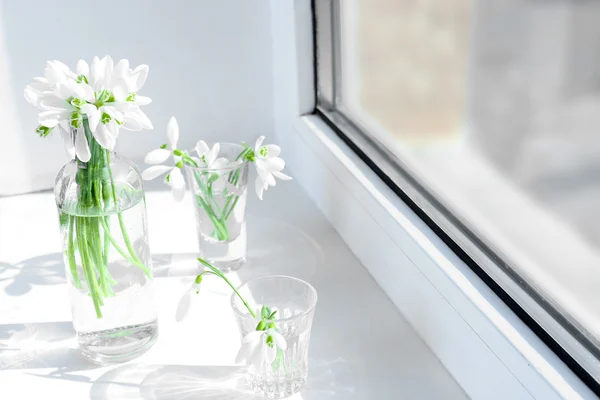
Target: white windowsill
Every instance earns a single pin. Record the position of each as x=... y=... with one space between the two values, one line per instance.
x=361 y=347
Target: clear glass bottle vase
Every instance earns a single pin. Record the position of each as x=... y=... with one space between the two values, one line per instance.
x=104 y=232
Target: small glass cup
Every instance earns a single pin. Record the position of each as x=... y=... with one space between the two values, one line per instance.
x=220 y=197
x=295 y=301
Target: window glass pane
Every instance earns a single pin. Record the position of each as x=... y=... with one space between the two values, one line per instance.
x=495 y=106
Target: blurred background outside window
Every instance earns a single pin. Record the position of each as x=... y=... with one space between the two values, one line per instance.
x=494 y=105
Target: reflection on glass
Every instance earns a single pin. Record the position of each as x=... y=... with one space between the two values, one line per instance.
x=495 y=105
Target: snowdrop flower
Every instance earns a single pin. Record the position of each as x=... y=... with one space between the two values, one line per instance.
x=185 y=303
x=208 y=156
x=175 y=177
x=268 y=166
x=104 y=92
x=260 y=346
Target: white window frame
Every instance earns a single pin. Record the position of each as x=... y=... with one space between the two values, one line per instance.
x=490 y=352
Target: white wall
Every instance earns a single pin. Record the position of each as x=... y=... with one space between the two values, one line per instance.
x=210 y=66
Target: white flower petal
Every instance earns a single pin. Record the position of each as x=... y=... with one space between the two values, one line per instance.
x=259 y=187
x=271 y=354
x=140 y=73
x=40 y=84
x=113 y=130
x=52 y=118
x=157 y=156
x=62 y=91
x=259 y=356
x=118 y=73
x=56 y=104
x=60 y=66
x=96 y=73
x=142 y=100
x=254 y=352
x=279 y=340
x=67 y=139
x=177 y=184
x=87 y=92
x=183 y=308
x=243 y=352
x=273 y=150
x=108 y=70
x=173 y=132
x=201 y=148
x=113 y=113
x=254 y=336
x=132 y=124
x=83 y=68
x=141 y=117
x=120 y=91
x=212 y=155
x=82 y=150
x=258 y=143
x=32 y=97
x=274 y=164
x=282 y=176
x=155 y=171
x=54 y=74
x=104 y=136
x=93 y=115
x=265 y=176
x=220 y=163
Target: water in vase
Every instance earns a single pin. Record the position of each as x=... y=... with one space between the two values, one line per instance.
x=110 y=278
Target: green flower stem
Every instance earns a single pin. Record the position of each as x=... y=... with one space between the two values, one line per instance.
x=122 y=252
x=120 y=217
x=97 y=195
x=86 y=264
x=233 y=178
x=221 y=230
x=215 y=271
x=71 y=254
x=208 y=190
x=106 y=250
x=226 y=216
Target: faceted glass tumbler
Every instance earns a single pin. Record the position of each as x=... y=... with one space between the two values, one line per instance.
x=295 y=301
x=220 y=201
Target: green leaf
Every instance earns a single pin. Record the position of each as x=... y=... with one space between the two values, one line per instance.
x=265 y=312
x=272 y=314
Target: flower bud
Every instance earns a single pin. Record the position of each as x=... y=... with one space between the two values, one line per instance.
x=262 y=326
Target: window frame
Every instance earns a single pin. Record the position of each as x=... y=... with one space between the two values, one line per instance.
x=542 y=317
x=489 y=351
